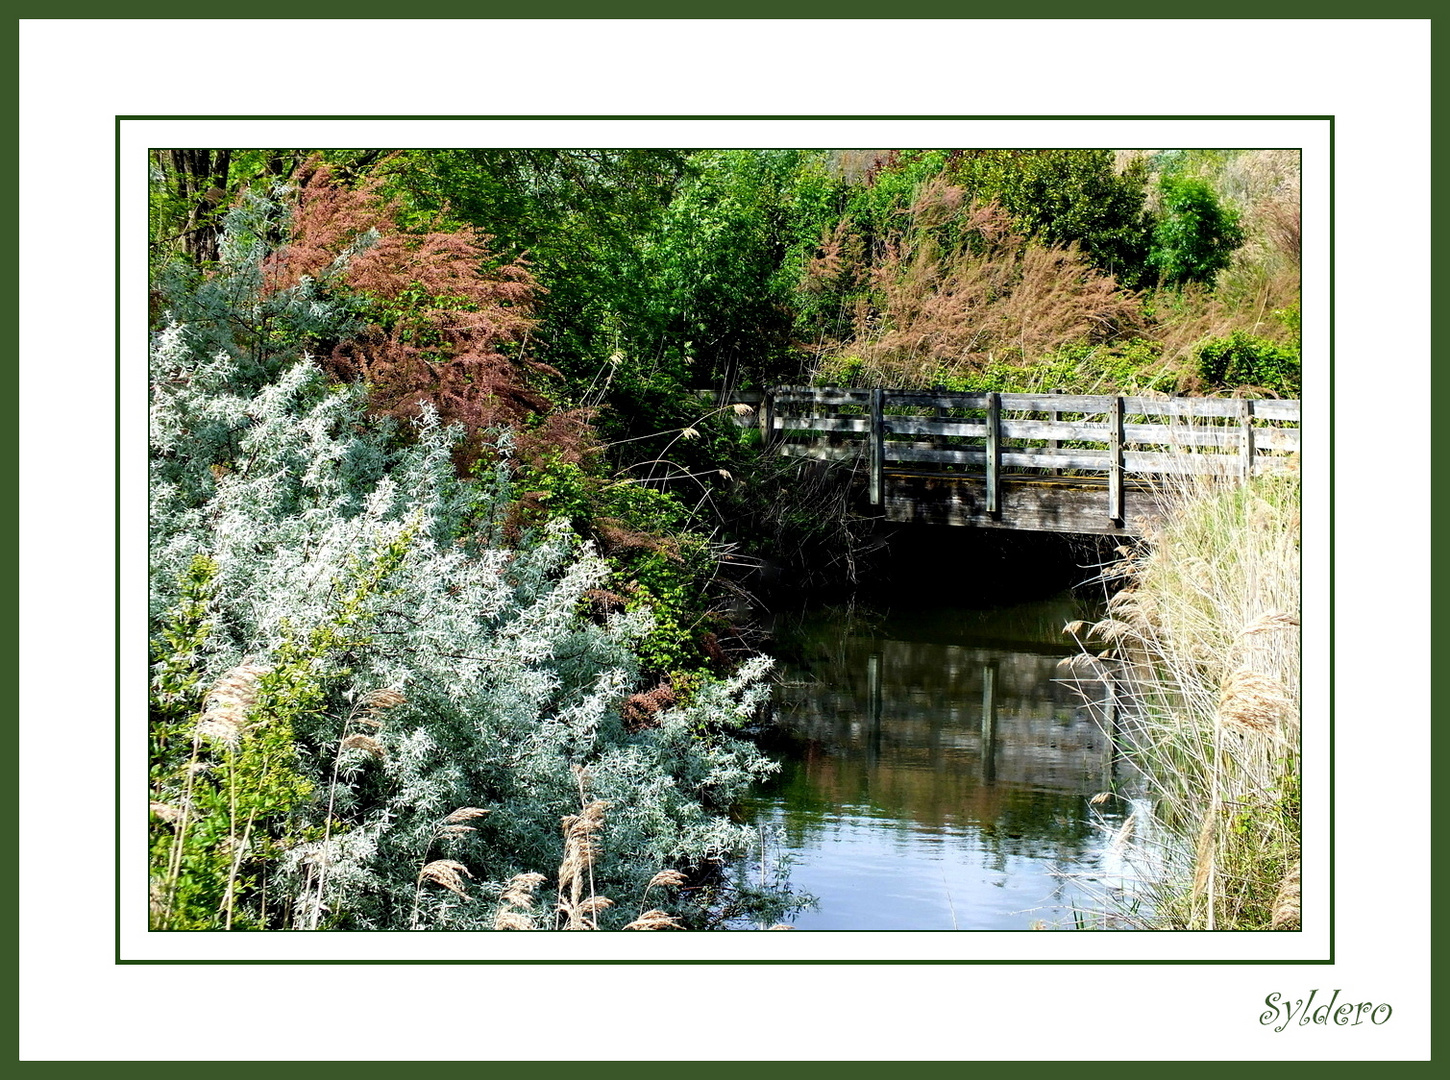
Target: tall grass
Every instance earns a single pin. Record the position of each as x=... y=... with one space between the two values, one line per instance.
x=1207 y=643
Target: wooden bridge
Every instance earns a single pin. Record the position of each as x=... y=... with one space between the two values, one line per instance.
x=1041 y=462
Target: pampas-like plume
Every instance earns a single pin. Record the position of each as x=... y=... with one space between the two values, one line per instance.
x=654 y=919
x=509 y=919
x=225 y=708
x=517 y=902
x=666 y=877
x=580 y=852
x=1252 y=702
x=1286 y=904
x=363 y=742
x=446 y=872
x=519 y=890
x=465 y=813
x=1272 y=620
x=378 y=701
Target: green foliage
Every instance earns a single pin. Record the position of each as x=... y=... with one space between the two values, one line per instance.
x=1196 y=235
x=1064 y=197
x=657 y=563
x=379 y=661
x=715 y=260
x=1244 y=360
x=221 y=817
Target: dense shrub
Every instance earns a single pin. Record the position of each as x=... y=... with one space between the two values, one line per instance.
x=1195 y=236
x=368 y=711
x=1244 y=360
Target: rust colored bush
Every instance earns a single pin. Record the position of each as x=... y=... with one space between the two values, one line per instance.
x=448 y=322
x=956 y=287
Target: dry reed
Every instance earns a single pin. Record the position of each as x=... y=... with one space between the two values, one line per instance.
x=1205 y=643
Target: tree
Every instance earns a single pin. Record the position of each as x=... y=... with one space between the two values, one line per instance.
x=1196 y=234
x=1066 y=196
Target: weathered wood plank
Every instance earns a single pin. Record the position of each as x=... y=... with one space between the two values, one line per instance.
x=823 y=423
x=1246 y=433
x=1275 y=409
x=901 y=452
x=938 y=399
x=1045 y=506
x=1277 y=438
x=1115 y=463
x=822 y=453
x=1140 y=463
x=1204 y=407
x=1030 y=457
x=994 y=452
x=878 y=441
x=912 y=425
x=1083 y=403
x=809 y=396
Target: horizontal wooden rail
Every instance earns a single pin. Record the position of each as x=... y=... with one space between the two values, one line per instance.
x=1072 y=438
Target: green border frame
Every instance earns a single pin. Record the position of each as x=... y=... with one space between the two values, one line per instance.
x=783 y=8
x=1328 y=119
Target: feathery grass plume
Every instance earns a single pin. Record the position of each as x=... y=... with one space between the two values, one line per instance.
x=654 y=919
x=1286 y=903
x=364 y=742
x=225 y=708
x=1205 y=639
x=465 y=813
x=446 y=872
x=581 y=849
x=519 y=890
x=516 y=903
x=1269 y=621
x=379 y=701
x=1253 y=702
x=509 y=919
x=667 y=877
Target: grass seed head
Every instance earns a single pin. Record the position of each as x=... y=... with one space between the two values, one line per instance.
x=666 y=877
x=654 y=919
x=446 y=872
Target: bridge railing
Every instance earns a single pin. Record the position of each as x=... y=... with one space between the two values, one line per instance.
x=1117 y=439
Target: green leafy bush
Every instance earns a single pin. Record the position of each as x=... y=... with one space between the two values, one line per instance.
x=1244 y=360
x=1196 y=235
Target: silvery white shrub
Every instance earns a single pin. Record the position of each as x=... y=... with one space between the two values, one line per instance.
x=507 y=698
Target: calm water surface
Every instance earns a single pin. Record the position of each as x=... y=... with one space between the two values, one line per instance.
x=936 y=771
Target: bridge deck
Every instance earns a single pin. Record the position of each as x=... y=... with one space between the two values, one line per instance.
x=1030 y=502
x=1041 y=462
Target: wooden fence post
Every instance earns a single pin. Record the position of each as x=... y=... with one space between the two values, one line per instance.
x=1054 y=416
x=767 y=417
x=1246 y=446
x=878 y=447
x=994 y=452
x=1115 y=462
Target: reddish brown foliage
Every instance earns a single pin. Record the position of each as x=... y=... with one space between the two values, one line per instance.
x=639 y=710
x=956 y=287
x=450 y=322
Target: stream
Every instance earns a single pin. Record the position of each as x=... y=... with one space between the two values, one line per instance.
x=937 y=773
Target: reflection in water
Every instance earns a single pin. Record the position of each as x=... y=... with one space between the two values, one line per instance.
x=936 y=771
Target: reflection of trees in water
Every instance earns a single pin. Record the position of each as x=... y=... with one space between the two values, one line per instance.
x=941 y=737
